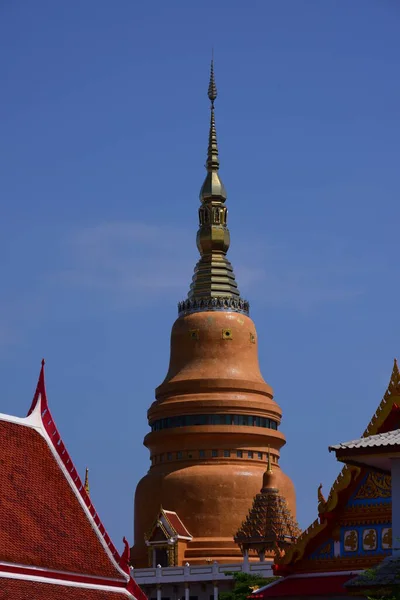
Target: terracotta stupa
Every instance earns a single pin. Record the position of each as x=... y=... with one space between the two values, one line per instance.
x=214 y=416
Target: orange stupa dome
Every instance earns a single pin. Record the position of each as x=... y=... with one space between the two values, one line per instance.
x=214 y=416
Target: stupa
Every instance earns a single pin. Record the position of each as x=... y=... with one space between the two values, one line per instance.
x=214 y=416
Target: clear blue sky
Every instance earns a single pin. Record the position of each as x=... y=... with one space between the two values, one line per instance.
x=104 y=122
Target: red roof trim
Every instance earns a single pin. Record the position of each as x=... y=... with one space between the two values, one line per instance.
x=58 y=445
x=40 y=402
x=314 y=585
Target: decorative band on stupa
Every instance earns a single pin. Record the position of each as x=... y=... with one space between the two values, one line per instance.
x=213 y=284
x=220 y=303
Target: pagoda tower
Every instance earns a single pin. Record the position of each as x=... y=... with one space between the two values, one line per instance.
x=214 y=417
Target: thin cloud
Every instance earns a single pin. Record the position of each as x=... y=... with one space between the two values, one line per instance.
x=121 y=266
x=132 y=262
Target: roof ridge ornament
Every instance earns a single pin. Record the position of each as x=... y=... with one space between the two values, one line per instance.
x=86 y=486
x=388 y=401
x=40 y=392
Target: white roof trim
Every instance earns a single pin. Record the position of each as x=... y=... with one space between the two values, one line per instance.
x=54 y=572
x=87 y=586
x=33 y=420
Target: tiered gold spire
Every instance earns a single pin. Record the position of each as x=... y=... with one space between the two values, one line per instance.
x=213 y=285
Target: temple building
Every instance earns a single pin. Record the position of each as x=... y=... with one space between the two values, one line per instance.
x=53 y=545
x=353 y=531
x=214 y=417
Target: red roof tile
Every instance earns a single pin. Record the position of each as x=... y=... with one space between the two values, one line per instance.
x=47 y=520
x=17 y=589
x=42 y=523
x=294 y=586
x=176 y=523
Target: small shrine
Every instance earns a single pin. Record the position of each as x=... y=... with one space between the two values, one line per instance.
x=269 y=526
x=167 y=540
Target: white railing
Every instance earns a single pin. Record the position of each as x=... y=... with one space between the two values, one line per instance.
x=206 y=572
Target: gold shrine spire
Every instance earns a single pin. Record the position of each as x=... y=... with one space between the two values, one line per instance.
x=269 y=476
x=213 y=284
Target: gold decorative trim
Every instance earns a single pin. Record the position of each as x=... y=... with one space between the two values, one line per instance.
x=227 y=334
x=158 y=522
x=296 y=551
x=347 y=475
x=351 y=563
x=392 y=393
x=343 y=480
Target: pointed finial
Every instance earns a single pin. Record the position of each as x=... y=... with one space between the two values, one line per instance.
x=87 y=488
x=125 y=556
x=213 y=284
x=212 y=88
x=321 y=499
x=40 y=391
x=269 y=467
x=269 y=476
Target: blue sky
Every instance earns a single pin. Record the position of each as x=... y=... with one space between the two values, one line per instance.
x=104 y=123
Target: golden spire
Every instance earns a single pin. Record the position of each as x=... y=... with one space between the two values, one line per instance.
x=268 y=477
x=213 y=285
x=87 y=488
x=212 y=188
x=269 y=467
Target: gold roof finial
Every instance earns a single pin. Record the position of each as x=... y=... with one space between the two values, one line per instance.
x=87 y=488
x=269 y=467
x=269 y=476
x=213 y=188
x=213 y=285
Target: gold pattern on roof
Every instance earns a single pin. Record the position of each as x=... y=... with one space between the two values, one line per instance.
x=349 y=473
x=269 y=524
x=377 y=485
x=391 y=397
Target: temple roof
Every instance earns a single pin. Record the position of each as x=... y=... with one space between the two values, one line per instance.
x=48 y=524
x=21 y=589
x=170 y=525
x=387 y=439
x=295 y=586
x=380 y=578
x=385 y=418
x=176 y=524
x=269 y=524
